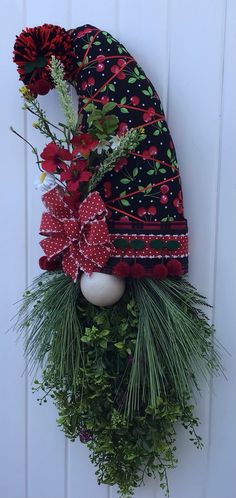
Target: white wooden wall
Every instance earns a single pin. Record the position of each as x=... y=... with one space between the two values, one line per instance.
x=187 y=47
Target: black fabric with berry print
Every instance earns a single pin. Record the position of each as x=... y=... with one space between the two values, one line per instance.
x=108 y=73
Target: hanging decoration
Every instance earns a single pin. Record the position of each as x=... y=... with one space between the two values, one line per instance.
x=114 y=324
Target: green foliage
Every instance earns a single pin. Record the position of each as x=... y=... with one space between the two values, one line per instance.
x=102 y=124
x=115 y=373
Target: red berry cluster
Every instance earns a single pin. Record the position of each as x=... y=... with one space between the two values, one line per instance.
x=149 y=114
x=89 y=82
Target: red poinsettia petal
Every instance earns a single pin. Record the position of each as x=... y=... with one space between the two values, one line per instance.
x=49 y=151
x=49 y=166
x=64 y=154
x=85 y=176
x=72 y=185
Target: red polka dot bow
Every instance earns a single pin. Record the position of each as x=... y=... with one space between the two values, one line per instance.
x=82 y=239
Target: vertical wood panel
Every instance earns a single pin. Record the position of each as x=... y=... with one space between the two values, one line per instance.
x=47 y=445
x=194 y=106
x=12 y=215
x=221 y=458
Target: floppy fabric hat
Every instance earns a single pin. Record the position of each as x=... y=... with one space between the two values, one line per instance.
x=118 y=330
x=143 y=193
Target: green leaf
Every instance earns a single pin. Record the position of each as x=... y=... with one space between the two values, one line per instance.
x=103 y=343
x=142 y=77
x=90 y=107
x=124 y=110
x=120 y=50
x=150 y=172
x=123 y=100
x=110 y=124
x=97 y=43
x=124 y=202
x=135 y=172
x=150 y=90
x=132 y=80
x=85 y=46
x=111 y=87
x=109 y=40
x=136 y=71
x=119 y=345
x=145 y=92
x=125 y=181
x=162 y=170
x=169 y=154
x=156 y=133
x=108 y=107
x=103 y=89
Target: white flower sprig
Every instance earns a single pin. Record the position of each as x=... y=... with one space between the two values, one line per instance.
x=58 y=77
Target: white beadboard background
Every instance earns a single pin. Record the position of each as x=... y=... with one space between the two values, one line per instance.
x=187 y=47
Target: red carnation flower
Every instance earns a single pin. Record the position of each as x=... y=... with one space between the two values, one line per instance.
x=84 y=143
x=160 y=271
x=137 y=270
x=32 y=54
x=121 y=269
x=174 y=268
x=76 y=174
x=54 y=157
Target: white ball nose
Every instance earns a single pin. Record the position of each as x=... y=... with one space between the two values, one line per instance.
x=102 y=289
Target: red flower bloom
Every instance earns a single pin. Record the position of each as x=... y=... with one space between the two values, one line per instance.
x=33 y=50
x=54 y=157
x=174 y=268
x=84 y=143
x=137 y=270
x=121 y=269
x=76 y=174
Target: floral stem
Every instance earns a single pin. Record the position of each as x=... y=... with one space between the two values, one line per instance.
x=34 y=150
